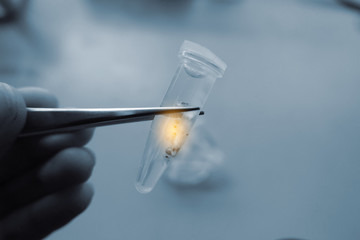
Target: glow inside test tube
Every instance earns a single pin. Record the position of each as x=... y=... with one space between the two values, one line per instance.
x=195 y=76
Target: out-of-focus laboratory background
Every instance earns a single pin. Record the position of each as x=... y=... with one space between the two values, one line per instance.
x=286 y=114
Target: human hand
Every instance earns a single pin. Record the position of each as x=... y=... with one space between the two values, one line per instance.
x=41 y=178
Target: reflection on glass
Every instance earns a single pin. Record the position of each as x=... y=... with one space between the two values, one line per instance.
x=191 y=85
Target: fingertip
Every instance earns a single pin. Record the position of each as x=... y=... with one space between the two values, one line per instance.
x=82 y=197
x=55 y=142
x=76 y=199
x=38 y=97
x=76 y=164
x=82 y=137
x=69 y=167
x=56 y=210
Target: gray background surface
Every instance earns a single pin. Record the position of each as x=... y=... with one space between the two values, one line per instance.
x=286 y=114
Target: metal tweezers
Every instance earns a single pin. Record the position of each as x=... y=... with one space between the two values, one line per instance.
x=41 y=121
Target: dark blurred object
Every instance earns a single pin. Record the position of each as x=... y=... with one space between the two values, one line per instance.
x=142 y=8
x=291 y=239
x=352 y=4
x=11 y=10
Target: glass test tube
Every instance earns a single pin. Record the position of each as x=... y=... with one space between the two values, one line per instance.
x=195 y=76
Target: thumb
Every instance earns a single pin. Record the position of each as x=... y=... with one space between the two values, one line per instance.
x=12 y=116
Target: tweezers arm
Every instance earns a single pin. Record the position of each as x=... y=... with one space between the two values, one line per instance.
x=43 y=121
x=56 y=120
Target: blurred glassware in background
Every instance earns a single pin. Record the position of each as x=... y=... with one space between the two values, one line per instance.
x=198 y=159
x=195 y=76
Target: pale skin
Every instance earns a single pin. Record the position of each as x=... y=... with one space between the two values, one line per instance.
x=42 y=179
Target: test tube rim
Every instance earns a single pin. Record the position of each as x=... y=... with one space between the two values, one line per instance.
x=200 y=54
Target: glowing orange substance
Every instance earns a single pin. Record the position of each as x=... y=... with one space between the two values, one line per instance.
x=173 y=132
